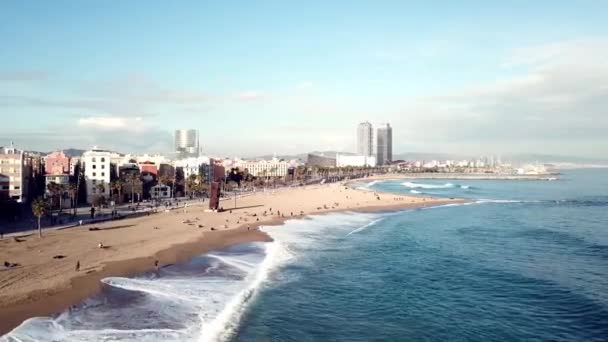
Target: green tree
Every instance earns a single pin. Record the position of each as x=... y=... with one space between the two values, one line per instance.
x=39 y=209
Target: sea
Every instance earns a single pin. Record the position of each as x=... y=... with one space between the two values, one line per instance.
x=521 y=261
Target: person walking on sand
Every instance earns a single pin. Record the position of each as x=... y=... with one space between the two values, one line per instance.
x=77 y=266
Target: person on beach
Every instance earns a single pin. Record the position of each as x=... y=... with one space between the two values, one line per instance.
x=77 y=266
x=92 y=212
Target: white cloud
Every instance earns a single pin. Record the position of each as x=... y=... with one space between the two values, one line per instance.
x=113 y=123
x=558 y=101
x=305 y=85
x=251 y=95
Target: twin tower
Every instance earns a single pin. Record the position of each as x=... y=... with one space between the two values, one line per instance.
x=384 y=142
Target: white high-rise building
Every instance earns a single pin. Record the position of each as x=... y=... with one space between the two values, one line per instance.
x=187 y=143
x=385 y=145
x=365 y=139
x=97 y=170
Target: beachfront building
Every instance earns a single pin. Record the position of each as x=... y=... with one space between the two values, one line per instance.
x=343 y=160
x=192 y=166
x=97 y=170
x=320 y=160
x=365 y=138
x=15 y=173
x=160 y=192
x=148 y=167
x=384 y=146
x=57 y=170
x=266 y=168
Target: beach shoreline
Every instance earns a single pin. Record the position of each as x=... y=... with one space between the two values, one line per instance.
x=61 y=291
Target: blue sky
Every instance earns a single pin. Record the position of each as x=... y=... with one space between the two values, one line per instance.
x=283 y=77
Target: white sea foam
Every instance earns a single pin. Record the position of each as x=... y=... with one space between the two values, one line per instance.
x=196 y=302
x=367 y=186
x=427 y=186
x=464 y=186
x=415 y=191
x=223 y=326
x=483 y=200
x=365 y=226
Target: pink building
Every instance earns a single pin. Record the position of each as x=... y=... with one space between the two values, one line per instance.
x=57 y=170
x=148 y=166
x=57 y=163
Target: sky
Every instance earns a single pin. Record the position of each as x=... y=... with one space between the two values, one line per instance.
x=285 y=77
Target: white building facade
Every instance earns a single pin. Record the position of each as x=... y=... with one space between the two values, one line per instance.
x=266 y=168
x=191 y=166
x=97 y=170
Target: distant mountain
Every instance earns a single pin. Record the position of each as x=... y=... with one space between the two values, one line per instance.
x=73 y=152
x=299 y=156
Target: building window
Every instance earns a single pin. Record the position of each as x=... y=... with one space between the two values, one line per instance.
x=93 y=159
x=103 y=166
x=94 y=181
x=94 y=174
x=94 y=166
x=103 y=174
x=17 y=187
x=103 y=159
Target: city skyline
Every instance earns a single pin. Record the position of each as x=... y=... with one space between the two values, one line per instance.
x=463 y=79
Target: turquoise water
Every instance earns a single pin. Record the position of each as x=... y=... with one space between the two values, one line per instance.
x=527 y=261
x=522 y=261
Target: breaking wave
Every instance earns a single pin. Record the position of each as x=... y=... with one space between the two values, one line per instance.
x=202 y=300
x=427 y=186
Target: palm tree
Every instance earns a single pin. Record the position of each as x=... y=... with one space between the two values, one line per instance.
x=73 y=193
x=39 y=209
x=101 y=188
x=61 y=188
x=117 y=185
x=132 y=178
x=53 y=189
x=191 y=184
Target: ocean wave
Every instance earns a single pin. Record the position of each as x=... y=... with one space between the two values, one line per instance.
x=465 y=186
x=201 y=300
x=427 y=186
x=224 y=326
x=364 y=226
x=415 y=191
x=484 y=200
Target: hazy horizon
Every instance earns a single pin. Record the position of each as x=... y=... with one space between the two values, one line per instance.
x=271 y=77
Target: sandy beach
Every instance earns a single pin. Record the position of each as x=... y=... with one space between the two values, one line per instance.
x=46 y=281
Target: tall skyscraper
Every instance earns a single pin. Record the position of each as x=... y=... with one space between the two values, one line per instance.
x=186 y=143
x=365 y=136
x=385 y=145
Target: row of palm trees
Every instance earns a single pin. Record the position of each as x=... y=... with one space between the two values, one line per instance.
x=58 y=193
